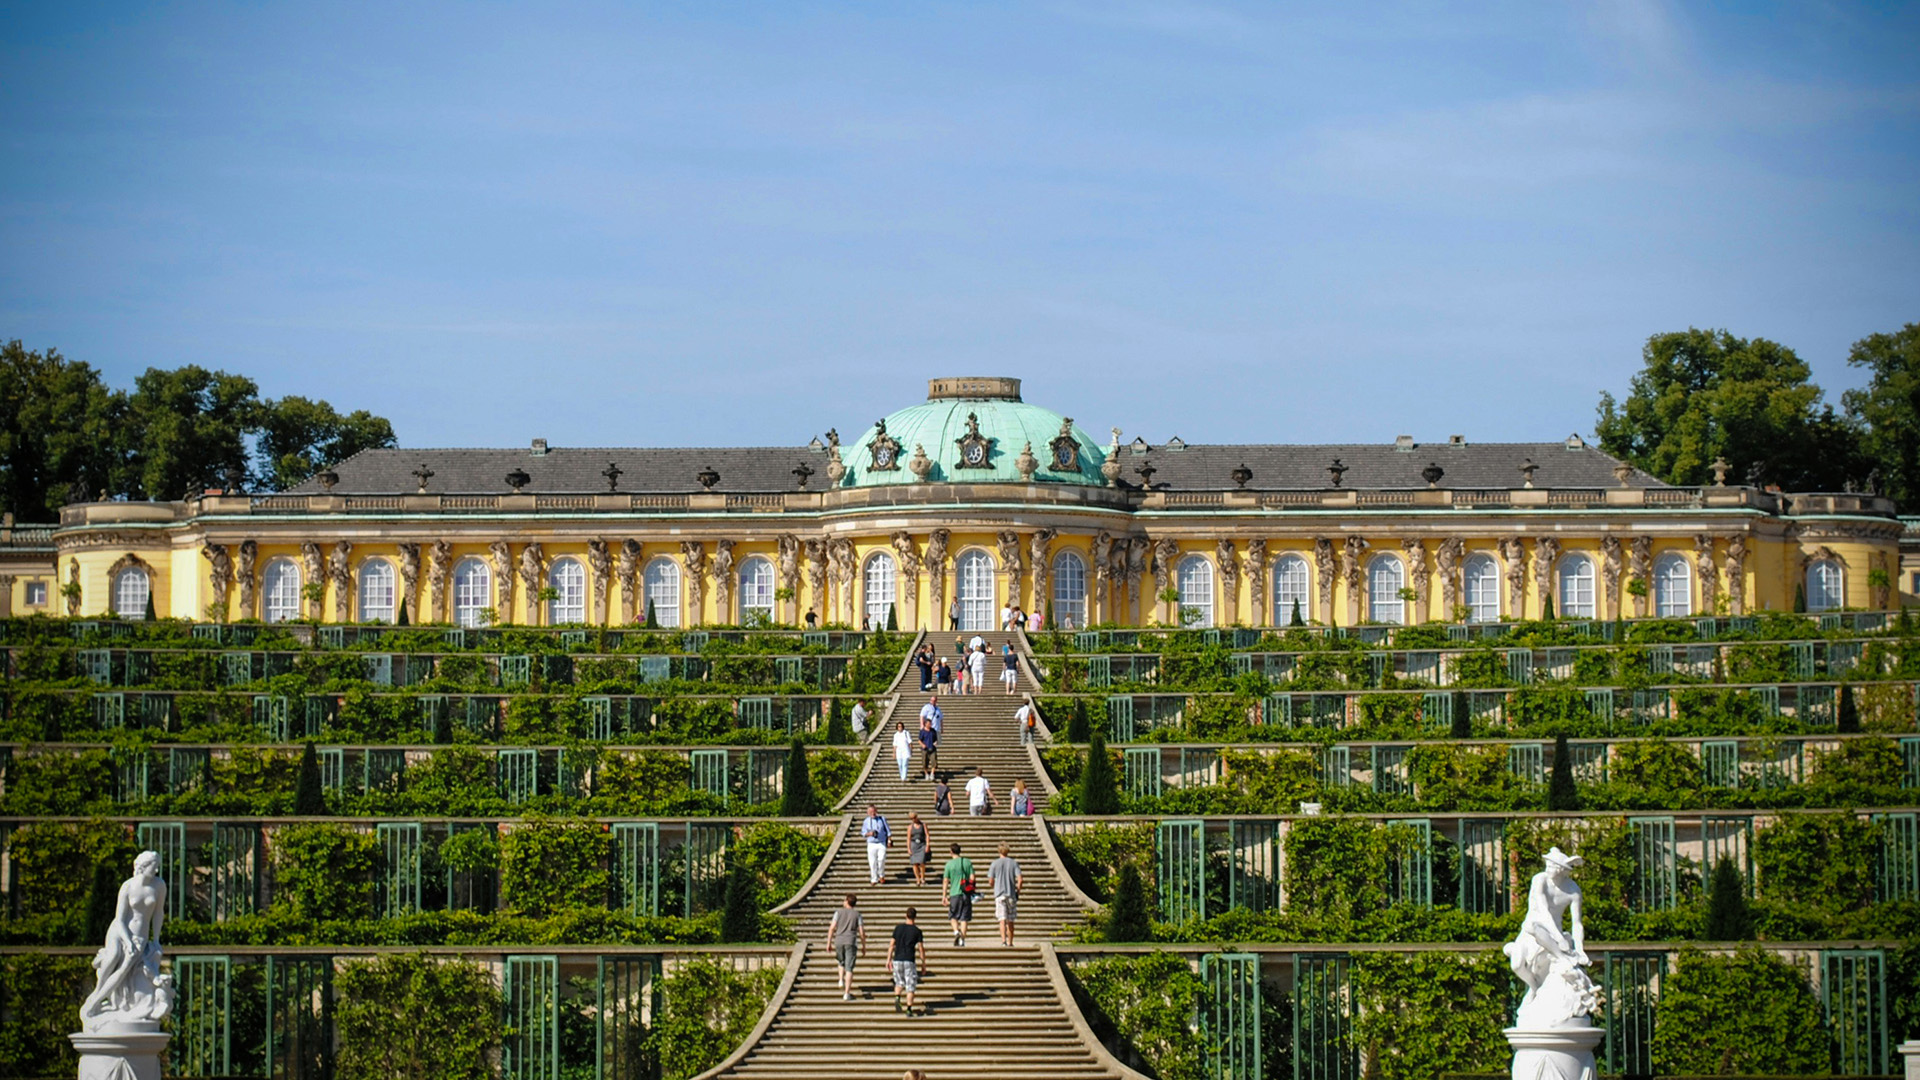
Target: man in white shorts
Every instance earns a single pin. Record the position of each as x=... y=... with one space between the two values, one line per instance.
x=847 y=936
x=1026 y=718
x=879 y=838
x=1003 y=874
x=980 y=798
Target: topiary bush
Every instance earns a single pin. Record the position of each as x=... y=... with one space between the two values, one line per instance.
x=547 y=866
x=412 y=1017
x=1746 y=1013
x=324 y=870
x=1424 y=1013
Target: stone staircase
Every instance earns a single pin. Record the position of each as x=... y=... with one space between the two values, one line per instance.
x=992 y=1011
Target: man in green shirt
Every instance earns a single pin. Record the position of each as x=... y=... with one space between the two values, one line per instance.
x=957 y=875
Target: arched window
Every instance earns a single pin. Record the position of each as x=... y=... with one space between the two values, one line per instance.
x=1069 y=590
x=1576 y=587
x=1385 y=579
x=756 y=591
x=1481 y=576
x=1291 y=590
x=1194 y=576
x=973 y=587
x=1672 y=586
x=131 y=587
x=879 y=589
x=568 y=579
x=663 y=592
x=280 y=591
x=472 y=591
x=1825 y=586
x=376 y=591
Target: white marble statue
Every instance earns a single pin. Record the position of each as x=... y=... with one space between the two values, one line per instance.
x=1553 y=1030
x=130 y=993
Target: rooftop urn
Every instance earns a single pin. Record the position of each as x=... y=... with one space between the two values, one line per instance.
x=1027 y=463
x=920 y=464
x=327 y=478
x=518 y=479
x=423 y=474
x=1110 y=468
x=707 y=477
x=1527 y=469
x=802 y=473
x=1622 y=470
x=612 y=473
x=1720 y=468
x=1146 y=471
x=1241 y=475
x=1432 y=474
x=1336 y=471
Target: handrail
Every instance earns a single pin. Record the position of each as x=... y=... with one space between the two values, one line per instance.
x=774 y=1004
x=1057 y=976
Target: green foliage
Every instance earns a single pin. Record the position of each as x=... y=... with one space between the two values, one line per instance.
x=58 y=439
x=1728 y=916
x=1822 y=861
x=833 y=775
x=323 y=870
x=778 y=856
x=1078 y=730
x=1888 y=408
x=740 y=912
x=53 y=862
x=103 y=900
x=1150 y=999
x=1127 y=918
x=1746 y=1013
x=1706 y=394
x=1561 y=793
x=40 y=999
x=547 y=866
x=413 y=1017
x=1425 y=1014
x=1099 y=788
x=308 y=798
x=710 y=1008
x=1337 y=866
x=797 y=798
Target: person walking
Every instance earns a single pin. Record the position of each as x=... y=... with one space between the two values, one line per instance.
x=923 y=659
x=1003 y=877
x=1010 y=673
x=847 y=936
x=879 y=839
x=930 y=749
x=1033 y=620
x=1028 y=718
x=953 y=614
x=918 y=851
x=962 y=670
x=942 y=797
x=1006 y=616
x=907 y=957
x=1020 y=803
x=943 y=677
x=978 y=662
x=902 y=747
x=980 y=800
x=957 y=876
x=860 y=715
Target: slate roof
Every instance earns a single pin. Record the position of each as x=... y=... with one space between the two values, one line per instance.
x=1196 y=467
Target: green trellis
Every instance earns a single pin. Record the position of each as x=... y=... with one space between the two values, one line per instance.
x=1655 y=884
x=202 y=1043
x=299 y=1018
x=627 y=995
x=1483 y=866
x=638 y=854
x=1180 y=857
x=400 y=876
x=1853 y=988
x=1629 y=981
x=1323 y=1047
x=1230 y=1023
x=1254 y=880
x=530 y=1035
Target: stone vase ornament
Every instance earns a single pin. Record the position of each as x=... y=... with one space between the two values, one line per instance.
x=1553 y=1036
x=120 y=1036
x=1027 y=463
x=920 y=464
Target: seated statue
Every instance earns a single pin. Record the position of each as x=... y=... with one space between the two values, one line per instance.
x=1548 y=959
x=129 y=991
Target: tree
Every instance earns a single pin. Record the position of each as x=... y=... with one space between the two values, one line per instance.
x=740 y=912
x=653 y=621
x=893 y=620
x=1099 y=793
x=299 y=437
x=838 y=732
x=1705 y=394
x=1127 y=918
x=1561 y=794
x=798 y=800
x=103 y=897
x=1728 y=917
x=309 y=796
x=1462 y=726
x=400 y=614
x=57 y=439
x=1296 y=620
x=188 y=429
x=1888 y=410
x=1847 y=714
x=1078 y=729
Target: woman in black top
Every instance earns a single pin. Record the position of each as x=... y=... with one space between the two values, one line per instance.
x=924 y=661
x=942 y=798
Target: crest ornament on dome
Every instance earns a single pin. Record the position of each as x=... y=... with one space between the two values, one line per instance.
x=884 y=449
x=976 y=450
x=1065 y=449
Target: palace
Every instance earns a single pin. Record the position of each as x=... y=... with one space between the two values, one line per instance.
x=972 y=498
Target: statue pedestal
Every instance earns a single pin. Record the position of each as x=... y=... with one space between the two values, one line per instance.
x=129 y=1054
x=1554 y=1053
x=1910 y=1050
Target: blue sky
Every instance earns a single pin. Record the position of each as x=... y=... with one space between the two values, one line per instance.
x=710 y=223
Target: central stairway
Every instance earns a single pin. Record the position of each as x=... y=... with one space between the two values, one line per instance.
x=992 y=1011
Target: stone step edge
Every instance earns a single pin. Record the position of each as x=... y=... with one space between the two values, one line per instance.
x=1057 y=975
x=877 y=733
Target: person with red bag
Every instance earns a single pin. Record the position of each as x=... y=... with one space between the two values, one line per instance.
x=957 y=875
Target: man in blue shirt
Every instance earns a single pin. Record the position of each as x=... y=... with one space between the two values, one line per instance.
x=879 y=838
x=931 y=711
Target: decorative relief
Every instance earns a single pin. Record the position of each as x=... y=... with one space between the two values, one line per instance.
x=693 y=556
x=936 y=563
x=312 y=569
x=249 y=554
x=1513 y=551
x=817 y=576
x=1040 y=556
x=1447 y=557
x=500 y=559
x=221 y=570
x=340 y=572
x=884 y=451
x=1610 y=571
x=73 y=594
x=842 y=564
x=409 y=578
x=1064 y=449
x=1326 y=566
x=627 y=569
x=600 y=572
x=723 y=579
x=976 y=450
x=1137 y=550
x=533 y=577
x=1416 y=555
x=786 y=562
x=1640 y=554
x=1165 y=551
x=439 y=563
x=1353 y=570
x=1007 y=545
x=1257 y=578
x=1546 y=551
x=1736 y=575
x=1708 y=571
x=906 y=556
x=1878 y=593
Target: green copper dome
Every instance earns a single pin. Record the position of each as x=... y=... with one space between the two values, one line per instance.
x=972 y=431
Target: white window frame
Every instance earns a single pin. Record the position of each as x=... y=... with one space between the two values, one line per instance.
x=1069 y=590
x=1480 y=587
x=472 y=590
x=1672 y=586
x=1193 y=576
x=976 y=588
x=280 y=584
x=661 y=588
x=756 y=590
x=377 y=590
x=1292 y=579
x=1826 y=585
x=37 y=593
x=1577 y=596
x=131 y=588
x=878 y=587
x=569 y=579
x=1386 y=576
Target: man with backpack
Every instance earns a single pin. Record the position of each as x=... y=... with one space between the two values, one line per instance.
x=1028 y=718
x=957 y=876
